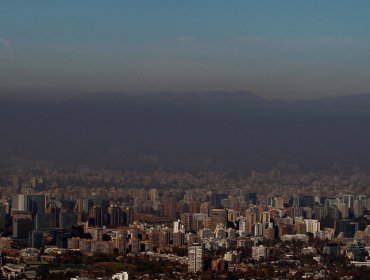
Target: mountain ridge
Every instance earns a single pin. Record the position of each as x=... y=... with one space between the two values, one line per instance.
x=236 y=130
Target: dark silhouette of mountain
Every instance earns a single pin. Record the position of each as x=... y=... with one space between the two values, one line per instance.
x=234 y=130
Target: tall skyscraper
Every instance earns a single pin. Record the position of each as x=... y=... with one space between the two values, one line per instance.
x=2 y=216
x=187 y=220
x=170 y=206
x=349 y=199
x=358 y=208
x=114 y=216
x=16 y=184
x=178 y=226
x=36 y=203
x=195 y=255
x=19 y=202
x=153 y=195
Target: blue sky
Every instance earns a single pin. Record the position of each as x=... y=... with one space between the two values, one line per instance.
x=276 y=49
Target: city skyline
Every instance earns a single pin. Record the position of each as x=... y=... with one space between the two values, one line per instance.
x=184 y=140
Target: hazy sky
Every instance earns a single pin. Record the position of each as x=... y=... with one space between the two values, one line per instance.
x=289 y=49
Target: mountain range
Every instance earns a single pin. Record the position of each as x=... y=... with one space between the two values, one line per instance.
x=187 y=131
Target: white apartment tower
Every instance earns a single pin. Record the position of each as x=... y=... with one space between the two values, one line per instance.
x=195 y=261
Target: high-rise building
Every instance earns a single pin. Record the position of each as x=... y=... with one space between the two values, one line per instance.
x=128 y=215
x=258 y=229
x=16 y=184
x=120 y=243
x=205 y=208
x=195 y=258
x=349 y=200
x=251 y=219
x=154 y=198
x=300 y=228
x=333 y=212
x=33 y=203
x=135 y=245
x=181 y=208
x=22 y=228
x=67 y=220
x=194 y=206
x=2 y=216
x=189 y=196
x=265 y=217
x=19 y=202
x=153 y=237
x=343 y=209
x=284 y=229
x=312 y=226
x=44 y=222
x=218 y=216
x=164 y=237
x=178 y=239
x=60 y=237
x=154 y=195
x=177 y=226
x=216 y=199
x=36 y=203
x=348 y=228
x=330 y=202
x=250 y=198
x=243 y=225
x=97 y=216
x=320 y=212
x=279 y=202
x=37 y=239
x=199 y=221
x=114 y=216
x=358 y=208
x=307 y=201
x=82 y=208
x=170 y=206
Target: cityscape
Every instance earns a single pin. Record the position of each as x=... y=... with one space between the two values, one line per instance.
x=85 y=223
x=185 y=140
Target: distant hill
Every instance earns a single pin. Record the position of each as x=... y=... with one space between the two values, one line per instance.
x=222 y=130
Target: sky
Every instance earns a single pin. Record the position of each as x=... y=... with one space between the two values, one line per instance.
x=275 y=49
